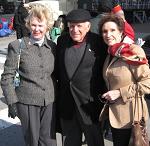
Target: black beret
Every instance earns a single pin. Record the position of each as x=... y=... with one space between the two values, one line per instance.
x=78 y=15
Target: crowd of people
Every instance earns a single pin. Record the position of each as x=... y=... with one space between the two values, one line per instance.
x=66 y=80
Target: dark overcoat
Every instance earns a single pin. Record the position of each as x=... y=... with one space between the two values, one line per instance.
x=81 y=90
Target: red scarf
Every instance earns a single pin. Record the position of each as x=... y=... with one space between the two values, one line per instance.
x=122 y=50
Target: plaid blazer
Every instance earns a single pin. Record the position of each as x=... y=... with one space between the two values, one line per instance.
x=35 y=69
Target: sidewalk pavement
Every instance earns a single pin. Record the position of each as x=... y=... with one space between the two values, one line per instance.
x=4 y=41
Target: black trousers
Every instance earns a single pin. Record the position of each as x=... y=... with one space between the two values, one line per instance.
x=121 y=137
x=72 y=132
x=37 y=124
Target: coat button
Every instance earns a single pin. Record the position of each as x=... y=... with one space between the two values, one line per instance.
x=41 y=77
x=41 y=66
x=70 y=83
x=40 y=55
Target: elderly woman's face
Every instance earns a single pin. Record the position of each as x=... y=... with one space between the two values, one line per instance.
x=111 y=34
x=38 y=28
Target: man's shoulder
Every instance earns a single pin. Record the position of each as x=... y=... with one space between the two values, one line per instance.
x=97 y=43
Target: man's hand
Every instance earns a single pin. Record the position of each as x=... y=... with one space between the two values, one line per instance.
x=12 y=110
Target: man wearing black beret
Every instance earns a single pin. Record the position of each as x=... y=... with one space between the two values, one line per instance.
x=79 y=61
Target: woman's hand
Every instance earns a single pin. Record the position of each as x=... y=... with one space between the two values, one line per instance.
x=111 y=95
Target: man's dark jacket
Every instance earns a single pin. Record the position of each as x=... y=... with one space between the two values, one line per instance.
x=82 y=89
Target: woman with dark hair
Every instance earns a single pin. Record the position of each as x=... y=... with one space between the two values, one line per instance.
x=126 y=72
x=59 y=28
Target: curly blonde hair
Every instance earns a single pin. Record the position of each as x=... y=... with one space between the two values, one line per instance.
x=41 y=12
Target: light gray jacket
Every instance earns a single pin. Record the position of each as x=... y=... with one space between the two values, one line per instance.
x=36 y=66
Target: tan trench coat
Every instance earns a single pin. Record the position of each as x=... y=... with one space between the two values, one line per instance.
x=118 y=75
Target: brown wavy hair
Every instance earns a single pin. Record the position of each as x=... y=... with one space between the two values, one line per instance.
x=111 y=18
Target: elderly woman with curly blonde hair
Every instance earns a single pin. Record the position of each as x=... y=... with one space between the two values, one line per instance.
x=32 y=100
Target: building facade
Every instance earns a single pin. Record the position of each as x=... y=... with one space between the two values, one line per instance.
x=9 y=6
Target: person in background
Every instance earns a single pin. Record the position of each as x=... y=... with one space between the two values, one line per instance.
x=32 y=101
x=104 y=7
x=55 y=32
x=126 y=71
x=108 y=6
x=128 y=30
x=146 y=46
x=64 y=26
x=79 y=61
x=59 y=28
x=19 y=21
x=1 y=9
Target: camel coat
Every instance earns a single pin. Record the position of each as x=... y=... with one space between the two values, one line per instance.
x=126 y=78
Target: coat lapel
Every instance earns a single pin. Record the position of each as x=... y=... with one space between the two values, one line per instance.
x=109 y=62
x=106 y=67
